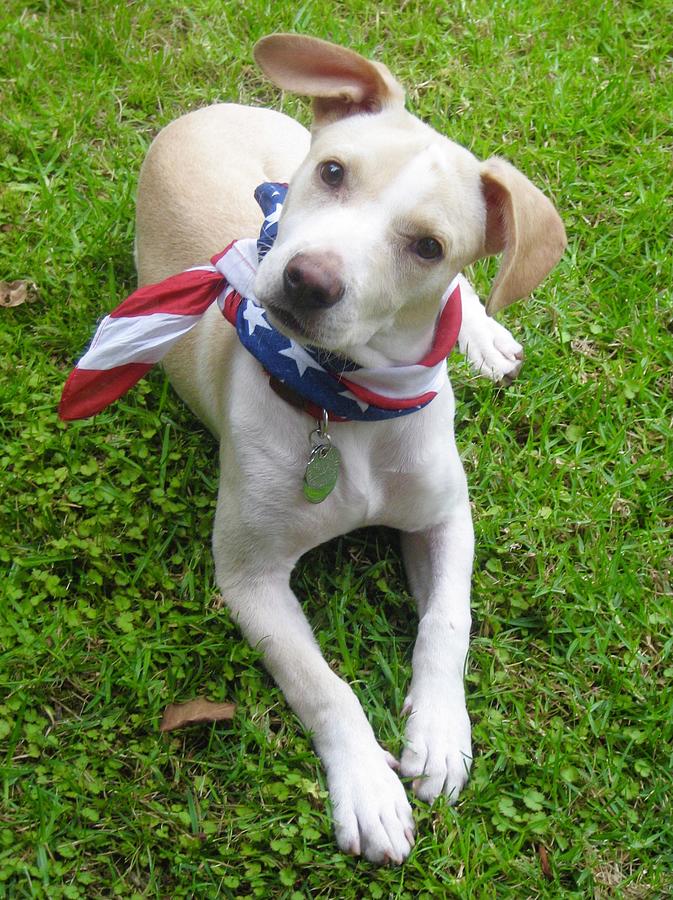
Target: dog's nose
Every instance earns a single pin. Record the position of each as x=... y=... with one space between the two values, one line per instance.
x=313 y=281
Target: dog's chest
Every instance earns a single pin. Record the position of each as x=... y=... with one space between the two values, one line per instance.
x=401 y=476
x=401 y=484
x=403 y=473
x=366 y=493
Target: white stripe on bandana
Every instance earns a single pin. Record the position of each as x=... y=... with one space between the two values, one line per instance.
x=144 y=339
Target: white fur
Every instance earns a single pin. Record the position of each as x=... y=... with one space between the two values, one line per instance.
x=404 y=181
x=490 y=349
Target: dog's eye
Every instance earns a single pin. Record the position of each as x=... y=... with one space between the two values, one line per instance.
x=428 y=248
x=332 y=173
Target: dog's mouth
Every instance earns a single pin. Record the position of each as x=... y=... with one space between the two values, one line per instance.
x=289 y=325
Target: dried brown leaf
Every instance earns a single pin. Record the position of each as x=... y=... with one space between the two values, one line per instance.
x=178 y=715
x=14 y=293
x=544 y=862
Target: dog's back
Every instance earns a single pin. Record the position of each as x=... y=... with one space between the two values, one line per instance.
x=195 y=193
x=195 y=196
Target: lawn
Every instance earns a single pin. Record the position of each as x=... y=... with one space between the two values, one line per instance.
x=108 y=606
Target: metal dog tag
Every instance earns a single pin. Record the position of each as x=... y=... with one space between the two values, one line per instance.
x=321 y=473
x=322 y=469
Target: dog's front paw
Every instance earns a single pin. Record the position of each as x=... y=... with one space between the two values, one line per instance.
x=438 y=750
x=491 y=350
x=372 y=816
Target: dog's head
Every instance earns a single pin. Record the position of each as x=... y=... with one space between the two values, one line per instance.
x=384 y=212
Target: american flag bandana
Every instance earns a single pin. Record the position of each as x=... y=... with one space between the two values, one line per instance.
x=145 y=326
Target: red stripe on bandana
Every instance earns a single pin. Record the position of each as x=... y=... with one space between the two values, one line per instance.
x=185 y=294
x=446 y=332
x=88 y=391
x=373 y=399
x=231 y=303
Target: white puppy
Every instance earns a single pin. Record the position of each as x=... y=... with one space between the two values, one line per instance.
x=381 y=216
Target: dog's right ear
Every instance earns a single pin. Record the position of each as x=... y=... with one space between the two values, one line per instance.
x=341 y=82
x=522 y=224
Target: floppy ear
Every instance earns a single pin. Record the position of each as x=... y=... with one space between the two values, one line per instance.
x=523 y=225
x=342 y=83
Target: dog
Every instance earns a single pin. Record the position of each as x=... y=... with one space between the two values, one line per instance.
x=382 y=213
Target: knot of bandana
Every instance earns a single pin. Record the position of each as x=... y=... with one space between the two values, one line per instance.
x=145 y=326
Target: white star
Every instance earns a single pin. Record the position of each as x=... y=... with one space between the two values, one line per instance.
x=302 y=359
x=363 y=406
x=254 y=316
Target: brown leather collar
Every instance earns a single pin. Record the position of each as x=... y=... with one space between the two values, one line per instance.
x=293 y=398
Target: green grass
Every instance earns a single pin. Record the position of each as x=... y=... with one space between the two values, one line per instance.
x=108 y=605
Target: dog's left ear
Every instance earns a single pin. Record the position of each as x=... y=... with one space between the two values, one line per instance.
x=522 y=224
x=341 y=82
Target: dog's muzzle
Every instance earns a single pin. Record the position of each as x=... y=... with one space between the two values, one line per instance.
x=312 y=282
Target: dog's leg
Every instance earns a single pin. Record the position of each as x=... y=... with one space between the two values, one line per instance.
x=489 y=347
x=437 y=750
x=371 y=812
